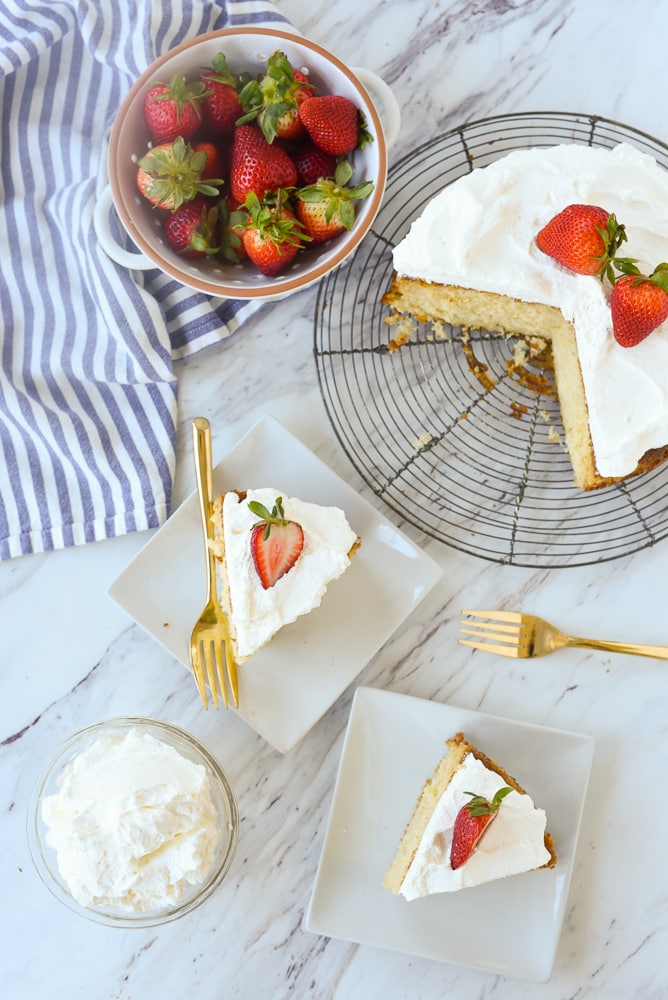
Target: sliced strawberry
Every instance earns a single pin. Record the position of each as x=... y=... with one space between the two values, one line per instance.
x=258 y=166
x=276 y=542
x=583 y=238
x=471 y=822
x=174 y=109
x=638 y=304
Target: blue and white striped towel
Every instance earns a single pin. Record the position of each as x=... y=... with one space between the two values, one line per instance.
x=88 y=396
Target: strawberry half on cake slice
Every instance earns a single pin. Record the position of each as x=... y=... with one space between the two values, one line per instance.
x=276 y=556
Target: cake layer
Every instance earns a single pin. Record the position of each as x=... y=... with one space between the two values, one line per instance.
x=516 y=842
x=478 y=235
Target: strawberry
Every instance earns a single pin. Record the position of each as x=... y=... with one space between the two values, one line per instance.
x=171 y=174
x=174 y=109
x=312 y=163
x=584 y=238
x=471 y=822
x=193 y=230
x=221 y=104
x=258 y=166
x=334 y=123
x=276 y=542
x=272 y=235
x=215 y=165
x=274 y=99
x=638 y=303
x=326 y=208
x=232 y=223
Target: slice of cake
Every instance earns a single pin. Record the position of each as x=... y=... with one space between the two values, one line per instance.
x=473 y=823
x=276 y=555
x=471 y=260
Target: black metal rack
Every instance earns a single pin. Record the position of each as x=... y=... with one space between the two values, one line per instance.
x=479 y=467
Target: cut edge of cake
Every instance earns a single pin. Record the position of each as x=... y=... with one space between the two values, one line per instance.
x=434 y=787
x=223 y=586
x=481 y=310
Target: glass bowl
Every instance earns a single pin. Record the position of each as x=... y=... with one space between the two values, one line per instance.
x=45 y=858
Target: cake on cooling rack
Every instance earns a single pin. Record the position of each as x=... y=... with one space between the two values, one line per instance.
x=471 y=260
x=473 y=823
x=276 y=556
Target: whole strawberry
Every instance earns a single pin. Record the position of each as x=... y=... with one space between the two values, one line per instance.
x=274 y=99
x=232 y=223
x=221 y=105
x=333 y=123
x=272 y=235
x=638 y=304
x=326 y=208
x=193 y=230
x=583 y=238
x=276 y=542
x=174 y=109
x=257 y=165
x=171 y=174
x=312 y=163
x=215 y=165
x=471 y=822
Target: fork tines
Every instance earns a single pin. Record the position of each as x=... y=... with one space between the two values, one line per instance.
x=207 y=654
x=498 y=632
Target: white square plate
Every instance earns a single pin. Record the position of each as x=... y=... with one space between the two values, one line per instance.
x=393 y=742
x=288 y=685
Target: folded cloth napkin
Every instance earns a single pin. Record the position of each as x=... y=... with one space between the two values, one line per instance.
x=88 y=395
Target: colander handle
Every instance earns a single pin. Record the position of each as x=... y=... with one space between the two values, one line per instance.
x=384 y=99
x=126 y=258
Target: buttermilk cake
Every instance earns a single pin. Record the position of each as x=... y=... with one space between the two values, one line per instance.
x=433 y=856
x=471 y=260
x=275 y=556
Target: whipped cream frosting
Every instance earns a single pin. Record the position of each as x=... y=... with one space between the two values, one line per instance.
x=513 y=843
x=480 y=233
x=257 y=613
x=133 y=824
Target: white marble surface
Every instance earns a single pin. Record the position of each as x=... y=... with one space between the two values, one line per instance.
x=70 y=657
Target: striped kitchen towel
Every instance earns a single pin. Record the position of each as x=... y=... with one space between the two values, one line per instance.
x=88 y=395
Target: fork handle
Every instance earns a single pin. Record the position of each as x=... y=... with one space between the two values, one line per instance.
x=204 y=478
x=657 y=652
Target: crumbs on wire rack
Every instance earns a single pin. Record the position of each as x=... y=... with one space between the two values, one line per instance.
x=406 y=326
x=422 y=443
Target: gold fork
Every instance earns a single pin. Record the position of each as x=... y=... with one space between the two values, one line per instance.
x=210 y=640
x=511 y=633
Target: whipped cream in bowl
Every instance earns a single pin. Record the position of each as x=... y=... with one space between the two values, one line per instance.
x=132 y=823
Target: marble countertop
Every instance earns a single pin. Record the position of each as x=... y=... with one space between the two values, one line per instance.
x=71 y=657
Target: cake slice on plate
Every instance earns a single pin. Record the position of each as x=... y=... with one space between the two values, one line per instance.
x=276 y=556
x=471 y=260
x=473 y=823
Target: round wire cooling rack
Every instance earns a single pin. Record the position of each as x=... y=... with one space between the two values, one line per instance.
x=461 y=436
